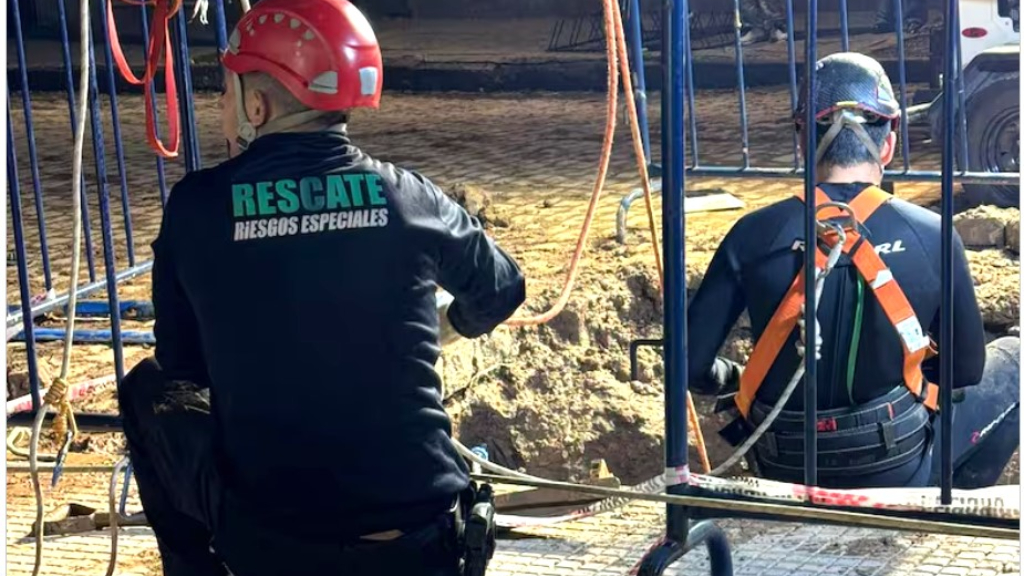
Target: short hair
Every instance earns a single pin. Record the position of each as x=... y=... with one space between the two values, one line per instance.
x=847 y=149
x=284 y=102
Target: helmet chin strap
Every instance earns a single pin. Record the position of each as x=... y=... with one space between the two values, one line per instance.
x=247 y=133
x=851 y=119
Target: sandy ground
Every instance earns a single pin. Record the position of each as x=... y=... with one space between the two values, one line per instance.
x=548 y=399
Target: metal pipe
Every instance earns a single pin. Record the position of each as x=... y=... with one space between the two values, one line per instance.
x=62 y=301
x=810 y=235
x=161 y=176
x=741 y=80
x=946 y=278
x=89 y=336
x=14 y=194
x=221 y=27
x=674 y=225
x=69 y=78
x=26 y=103
x=717 y=544
x=115 y=120
x=690 y=87
x=844 y=24
x=793 y=87
x=773 y=511
x=912 y=176
x=634 y=35
x=961 y=106
x=134 y=309
x=904 y=114
x=190 y=140
x=109 y=263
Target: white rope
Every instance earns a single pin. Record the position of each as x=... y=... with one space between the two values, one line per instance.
x=85 y=42
x=819 y=285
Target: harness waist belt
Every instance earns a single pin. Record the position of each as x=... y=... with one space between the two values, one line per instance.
x=883 y=409
x=872 y=447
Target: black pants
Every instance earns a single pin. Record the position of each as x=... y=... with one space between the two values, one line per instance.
x=169 y=431
x=913 y=11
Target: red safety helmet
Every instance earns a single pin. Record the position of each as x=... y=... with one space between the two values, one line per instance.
x=323 y=51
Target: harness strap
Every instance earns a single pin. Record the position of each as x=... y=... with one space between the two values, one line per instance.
x=159 y=43
x=890 y=296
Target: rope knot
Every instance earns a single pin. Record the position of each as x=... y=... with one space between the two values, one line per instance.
x=57 y=396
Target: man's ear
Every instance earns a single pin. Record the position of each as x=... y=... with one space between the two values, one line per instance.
x=888 y=149
x=257 y=107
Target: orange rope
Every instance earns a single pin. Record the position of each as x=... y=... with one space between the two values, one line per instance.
x=616 y=49
x=595 y=195
x=645 y=181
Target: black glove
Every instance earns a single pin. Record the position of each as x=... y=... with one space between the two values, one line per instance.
x=724 y=377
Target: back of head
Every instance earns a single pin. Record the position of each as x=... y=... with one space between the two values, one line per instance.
x=854 y=107
x=312 y=58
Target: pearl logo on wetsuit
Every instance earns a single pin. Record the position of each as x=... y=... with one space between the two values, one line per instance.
x=308 y=205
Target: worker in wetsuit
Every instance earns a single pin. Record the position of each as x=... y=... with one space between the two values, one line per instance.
x=876 y=419
x=292 y=420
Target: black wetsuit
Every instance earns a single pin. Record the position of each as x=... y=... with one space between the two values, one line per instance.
x=296 y=282
x=754 y=267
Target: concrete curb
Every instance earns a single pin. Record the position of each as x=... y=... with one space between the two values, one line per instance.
x=561 y=76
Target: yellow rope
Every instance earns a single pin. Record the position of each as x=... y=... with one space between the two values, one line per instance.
x=57 y=396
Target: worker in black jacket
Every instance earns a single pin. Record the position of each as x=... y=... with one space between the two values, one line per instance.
x=292 y=420
x=876 y=396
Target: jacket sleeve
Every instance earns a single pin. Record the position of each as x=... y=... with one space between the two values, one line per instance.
x=178 y=348
x=968 y=326
x=486 y=282
x=714 y=309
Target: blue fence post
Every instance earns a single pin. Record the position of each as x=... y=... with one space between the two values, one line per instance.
x=14 y=195
x=26 y=102
x=115 y=120
x=634 y=34
x=810 y=249
x=902 y=55
x=741 y=81
x=70 y=79
x=674 y=226
x=189 y=140
x=949 y=82
x=109 y=262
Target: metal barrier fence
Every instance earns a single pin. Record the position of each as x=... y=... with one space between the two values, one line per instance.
x=37 y=286
x=39 y=290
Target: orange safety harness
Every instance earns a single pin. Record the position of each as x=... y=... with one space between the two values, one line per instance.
x=916 y=345
x=159 y=42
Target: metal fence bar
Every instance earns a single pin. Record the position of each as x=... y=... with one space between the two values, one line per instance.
x=741 y=81
x=161 y=176
x=106 y=229
x=26 y=102
x=89 y=336
x=14 y=194
x=961 y=106
x=793 y=86
x=673 y=152
x=844 y=24
x=61 y=301
x=69 y=78
x=946 y=307
x=810 y=250
x=901 y=52
x=634 y=34
x=115 y=120
x=690 y=88
x=190 y=140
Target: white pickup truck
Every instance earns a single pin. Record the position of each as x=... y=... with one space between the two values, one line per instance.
x=990 y=48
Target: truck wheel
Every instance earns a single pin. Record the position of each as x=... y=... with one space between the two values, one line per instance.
x=993 y=141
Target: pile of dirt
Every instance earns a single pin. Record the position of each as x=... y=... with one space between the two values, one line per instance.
x=478 y=203
x=550 y=399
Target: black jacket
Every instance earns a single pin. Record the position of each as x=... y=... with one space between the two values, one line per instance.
x=756 y=263
x=298 y=282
